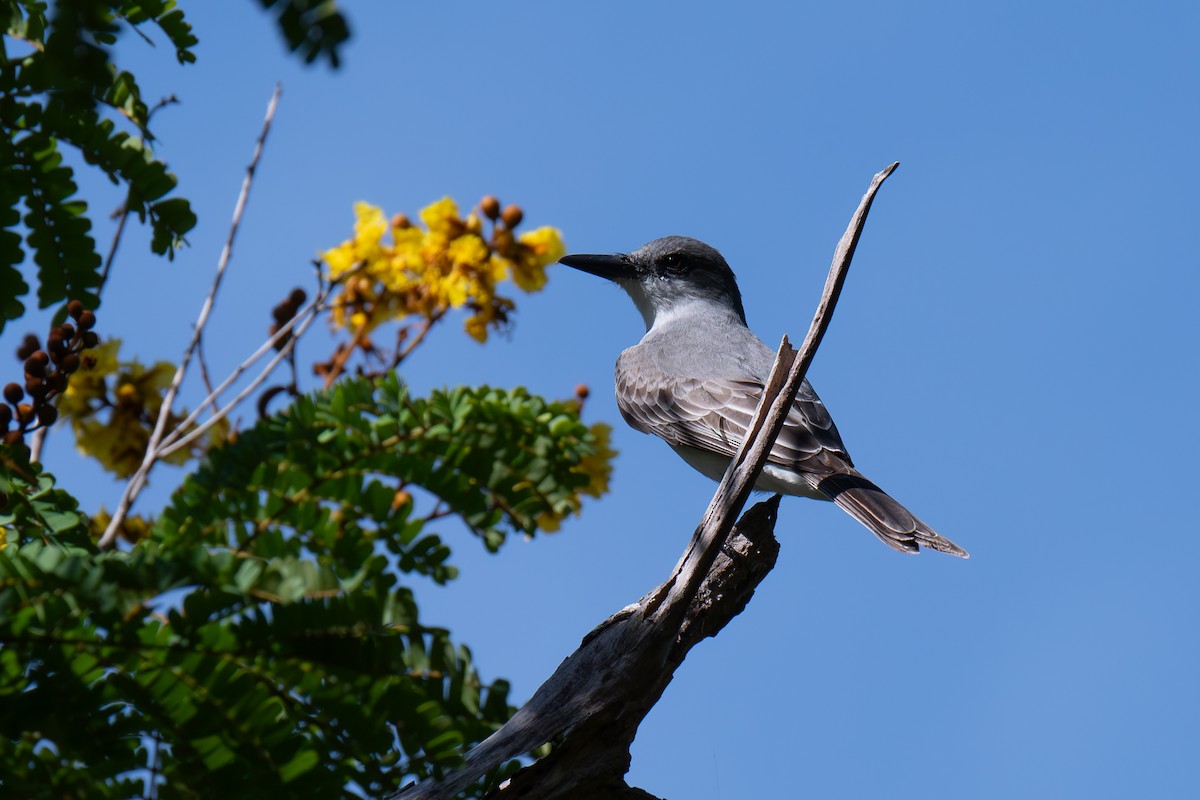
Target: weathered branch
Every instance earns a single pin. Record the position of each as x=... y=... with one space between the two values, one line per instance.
x=598 y=697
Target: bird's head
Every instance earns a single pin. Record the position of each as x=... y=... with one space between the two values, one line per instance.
x=667 y=276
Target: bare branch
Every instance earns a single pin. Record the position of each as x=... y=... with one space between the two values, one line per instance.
x=180 y=439
x=135 y=484
x=600 y=694
x=122 y=215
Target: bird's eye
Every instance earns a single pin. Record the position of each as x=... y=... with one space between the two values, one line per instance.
x=672 y=262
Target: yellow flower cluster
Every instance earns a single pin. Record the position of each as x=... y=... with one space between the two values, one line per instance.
x=112 y=406
x=598 y=469
x=452 y=263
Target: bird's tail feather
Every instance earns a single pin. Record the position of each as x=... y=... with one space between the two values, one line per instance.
x=894 y=524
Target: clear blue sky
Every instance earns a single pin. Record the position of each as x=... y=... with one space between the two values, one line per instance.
x=1013 y=356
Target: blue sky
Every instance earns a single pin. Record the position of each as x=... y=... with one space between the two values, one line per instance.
x=1013 y=355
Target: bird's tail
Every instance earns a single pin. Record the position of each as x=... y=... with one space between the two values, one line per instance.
x=891 y=522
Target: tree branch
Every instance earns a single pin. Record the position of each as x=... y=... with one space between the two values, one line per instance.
x=598 y=697
x=135 y=484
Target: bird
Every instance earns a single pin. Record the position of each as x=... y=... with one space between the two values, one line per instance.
x=695 y=378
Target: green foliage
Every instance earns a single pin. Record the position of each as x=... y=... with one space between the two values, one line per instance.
x=328 y=473
x=259 y=642
x=312 y=28
x=63 y=88
x=31 y=507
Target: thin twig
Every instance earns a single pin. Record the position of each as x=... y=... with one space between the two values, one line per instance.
x=135 y=484
x=122 y=216
x=315 y=307
x=203 y=362
x=191 y=436
x=416 y=340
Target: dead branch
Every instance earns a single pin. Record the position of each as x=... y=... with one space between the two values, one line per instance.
x=599 y=695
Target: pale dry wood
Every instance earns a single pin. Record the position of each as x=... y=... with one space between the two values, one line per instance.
x=599 y=695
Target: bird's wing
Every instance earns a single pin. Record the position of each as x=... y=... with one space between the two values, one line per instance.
x=714 y=414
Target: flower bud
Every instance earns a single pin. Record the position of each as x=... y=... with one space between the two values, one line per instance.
x=512 y=216
x=401 y=221
x=490 y=207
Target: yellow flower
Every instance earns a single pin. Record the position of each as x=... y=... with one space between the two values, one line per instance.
x=598 y=466
x=546 y=243
x=369 y=226
x=89 y=383
x=454 y=262
x=442 y=217
x=468 y=250
x=129 y=405
x=340 y=259
x=477 y=327
x=536 y=250
x=528 y=274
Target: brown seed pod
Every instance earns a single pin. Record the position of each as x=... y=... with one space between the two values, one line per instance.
x=69 y=363
x=29 y=346
x=90 y=339
x=68 y=331
x=86 y=320
x=57 y=382
x=6 y=414
x=25 y=413
x=36 y=389
x=298 y=297
x=75 y=308
x=582 y=391
x=36 y=364
x=512 y=216
x=490 y=207
x=47 y=414
x=283 y=312
x=13 y=438
x=13 y=393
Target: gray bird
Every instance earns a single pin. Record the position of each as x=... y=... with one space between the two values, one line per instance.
x=695 y=379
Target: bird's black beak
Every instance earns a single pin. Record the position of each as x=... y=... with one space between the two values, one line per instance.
x=613 y=267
